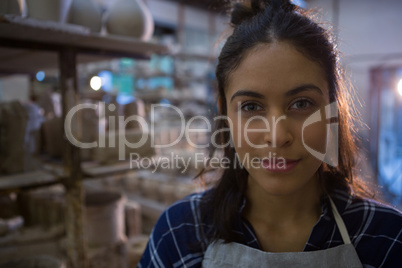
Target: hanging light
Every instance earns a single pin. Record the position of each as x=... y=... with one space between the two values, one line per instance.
x=95 y=83
x=40 y=76
x=400 y=87
x=107 y=80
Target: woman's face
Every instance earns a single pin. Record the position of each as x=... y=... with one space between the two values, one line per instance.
x=269 y=97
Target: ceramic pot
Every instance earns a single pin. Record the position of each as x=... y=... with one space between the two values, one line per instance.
x=86 y=13
x=114 y=256
x=132 y=213
x=10 y=7
x=130 y=18
x=104 y=218
x=53 y=136
x=54 y=10
x=13 y=121
x=131 y=109
x=136 y=247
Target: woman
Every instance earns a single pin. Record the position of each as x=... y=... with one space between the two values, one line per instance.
x=291 y=200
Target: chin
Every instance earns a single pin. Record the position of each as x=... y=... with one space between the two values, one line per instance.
x=282 y=184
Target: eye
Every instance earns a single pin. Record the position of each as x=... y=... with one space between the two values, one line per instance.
x=302 y=104
x=251 y=107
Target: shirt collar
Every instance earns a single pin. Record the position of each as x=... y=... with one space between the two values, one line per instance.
x=341 y=198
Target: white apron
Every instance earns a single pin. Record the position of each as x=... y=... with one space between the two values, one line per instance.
x=231 y=255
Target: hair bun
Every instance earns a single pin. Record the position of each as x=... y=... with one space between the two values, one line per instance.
x=285 y=5
x=240 y=13
x=244 y=10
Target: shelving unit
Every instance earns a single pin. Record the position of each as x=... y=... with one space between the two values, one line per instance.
x=28 y=45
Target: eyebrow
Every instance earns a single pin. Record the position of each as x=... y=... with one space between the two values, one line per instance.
x=295 y=91
x=302 y=88
x=247 y=93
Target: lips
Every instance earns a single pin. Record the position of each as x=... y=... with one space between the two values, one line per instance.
x=279 y=164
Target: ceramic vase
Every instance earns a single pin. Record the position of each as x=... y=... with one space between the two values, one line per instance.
x=86 y=13
x=13 y=121
x=130 y=18
x=136 y=247
x=54 y=10
x=131 y=109
x=104 y=218
x=10 y=7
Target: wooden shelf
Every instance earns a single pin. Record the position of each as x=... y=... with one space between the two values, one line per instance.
x=27 y=44
x=52 y=174
x=107 y=170
x=195 y=56
x=27 y=180
x=27 y=61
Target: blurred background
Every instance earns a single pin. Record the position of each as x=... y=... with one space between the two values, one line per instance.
x=94 y=207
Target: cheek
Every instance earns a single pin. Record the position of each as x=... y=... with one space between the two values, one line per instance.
x=315 y=136
x=236 y=131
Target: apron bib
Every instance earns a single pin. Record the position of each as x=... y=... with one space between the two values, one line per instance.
x=228 y=255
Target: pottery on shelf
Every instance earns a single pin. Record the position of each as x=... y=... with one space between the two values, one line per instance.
x=54 y=10
x=53 y=136
x=34 y=261
x=104 y=218
x=10 y=7
x=13 y=121
x=136 y=247
x=86 y=13
x=130 y=18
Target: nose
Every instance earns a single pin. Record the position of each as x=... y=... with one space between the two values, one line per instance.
x=279 y=134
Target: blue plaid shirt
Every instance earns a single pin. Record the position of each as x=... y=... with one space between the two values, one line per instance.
x=375 y=231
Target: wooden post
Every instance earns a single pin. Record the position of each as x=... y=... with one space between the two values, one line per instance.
x=76 y=250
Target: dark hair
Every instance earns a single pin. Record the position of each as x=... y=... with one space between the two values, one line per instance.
x=265 y=22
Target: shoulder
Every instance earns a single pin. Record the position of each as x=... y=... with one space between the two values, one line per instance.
x=182 y=215
x=177 y=237
x=375 y=229
x=369 y=212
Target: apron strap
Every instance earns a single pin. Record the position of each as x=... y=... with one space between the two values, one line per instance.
x=340 y=223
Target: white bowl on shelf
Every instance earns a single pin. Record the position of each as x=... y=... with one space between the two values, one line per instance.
x=53 y=10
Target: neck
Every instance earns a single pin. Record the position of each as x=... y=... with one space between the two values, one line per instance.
x=279 y=210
